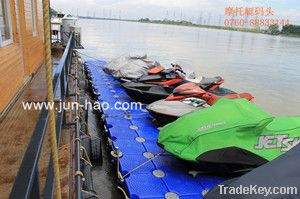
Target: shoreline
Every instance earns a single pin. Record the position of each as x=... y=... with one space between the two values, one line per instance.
x=189 y=24
x=249 y=30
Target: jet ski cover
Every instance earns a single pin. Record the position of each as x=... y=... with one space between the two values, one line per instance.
x=281 y=172
x=129 y=67
x=230 y=136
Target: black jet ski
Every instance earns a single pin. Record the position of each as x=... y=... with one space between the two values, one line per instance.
x=280 y=172
x=185 y=99
x=148 y=93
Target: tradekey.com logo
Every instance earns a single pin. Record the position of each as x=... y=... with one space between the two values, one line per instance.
x=282 y=142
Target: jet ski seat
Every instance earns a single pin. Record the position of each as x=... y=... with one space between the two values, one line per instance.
x=157 y=77
x=206 y=82
x=146 y=78
x=156 y=70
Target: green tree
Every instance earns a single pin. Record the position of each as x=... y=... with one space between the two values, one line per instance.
x=274 y=29
x=291 y=29
x=144 y=20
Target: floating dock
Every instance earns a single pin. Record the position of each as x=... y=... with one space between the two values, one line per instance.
x=148 y=171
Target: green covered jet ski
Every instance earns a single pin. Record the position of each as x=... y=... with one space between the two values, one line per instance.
x=232 y=136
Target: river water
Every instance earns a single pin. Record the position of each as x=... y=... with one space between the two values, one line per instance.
x=266 y=66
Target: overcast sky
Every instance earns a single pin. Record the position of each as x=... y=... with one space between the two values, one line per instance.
x=211 y=10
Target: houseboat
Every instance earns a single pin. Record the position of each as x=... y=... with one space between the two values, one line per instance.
x=21 y=47
x=26 y=160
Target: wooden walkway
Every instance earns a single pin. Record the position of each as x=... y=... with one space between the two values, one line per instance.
x=16 y=130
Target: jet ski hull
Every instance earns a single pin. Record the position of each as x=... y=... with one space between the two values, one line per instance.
x=162 y=119
x=149 y=93
x=146 y=93
x=145 y=97
x=166 y=112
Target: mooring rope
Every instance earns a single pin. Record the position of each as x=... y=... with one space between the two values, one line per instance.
x=87 y=159
x=123 y=191
x=143 y=164
x=122 y=177
x=97 y=59
x=48 y=63
x=90 y=193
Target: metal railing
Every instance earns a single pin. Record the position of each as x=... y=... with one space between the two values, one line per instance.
x=27 y=183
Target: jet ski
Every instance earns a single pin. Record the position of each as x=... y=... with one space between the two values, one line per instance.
x=280 y=172
x=167 y=111
x=169 y=76
x=232 y=136
x=147 y=93
x=185 y=101
x=193 y=90
x=150 y=92
x=129 y=66
x=159 y=74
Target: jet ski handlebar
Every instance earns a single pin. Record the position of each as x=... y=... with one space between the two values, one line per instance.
x=177 y=68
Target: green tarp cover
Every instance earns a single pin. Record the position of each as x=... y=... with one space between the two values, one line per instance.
x=232 y=131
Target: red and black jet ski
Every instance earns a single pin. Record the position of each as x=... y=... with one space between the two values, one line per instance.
x=185 y=99
x=193 y=90
x=154 y=87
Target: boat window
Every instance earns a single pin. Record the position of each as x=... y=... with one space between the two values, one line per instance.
x=33 y=11
x=5 y=23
